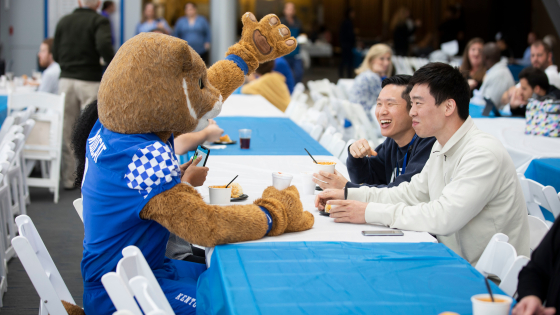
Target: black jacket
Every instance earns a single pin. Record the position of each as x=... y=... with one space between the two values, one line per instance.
x=80 y=39
x=380 y=171
x=541 y=276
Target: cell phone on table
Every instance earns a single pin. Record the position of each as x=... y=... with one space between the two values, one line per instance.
x=383 y=233
x=202 y=151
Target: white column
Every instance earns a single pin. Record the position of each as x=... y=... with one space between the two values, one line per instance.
x=223 y=24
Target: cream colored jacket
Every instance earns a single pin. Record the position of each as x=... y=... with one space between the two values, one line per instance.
x=467 y=192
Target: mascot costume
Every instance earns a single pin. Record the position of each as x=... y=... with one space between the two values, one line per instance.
x=155 y=88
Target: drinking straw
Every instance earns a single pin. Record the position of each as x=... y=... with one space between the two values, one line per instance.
x=231 y=181
x=310 y=156
x=489 y=290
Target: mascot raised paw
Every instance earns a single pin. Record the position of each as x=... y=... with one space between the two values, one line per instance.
x=156 y=88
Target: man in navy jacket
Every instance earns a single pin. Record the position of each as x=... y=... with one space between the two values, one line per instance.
x=401 y=156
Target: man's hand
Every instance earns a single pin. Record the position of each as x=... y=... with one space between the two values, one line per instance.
x=330 y=181
x=350 y=211
x=212 y=132
x=329 y=194
x=361 y=148
x=532 y=305
x=517 y=99
x=193 y=174
x=472 y=83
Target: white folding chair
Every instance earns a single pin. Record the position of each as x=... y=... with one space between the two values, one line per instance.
x=344 y=154
x=524 y=186
x=338 y=145
x=79 y=207
x=541 y=196
x=509 y=281
x=134 y=279
x=8 y=228
x=316 y=132
x=40 y=268
x=44 y=143
x=537 y=230
x=6 y=125
x=3 y=260
x=345 y=86
x=327 y=136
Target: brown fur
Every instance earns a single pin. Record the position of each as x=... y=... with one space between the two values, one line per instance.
x=298 y=220
x=72 y=309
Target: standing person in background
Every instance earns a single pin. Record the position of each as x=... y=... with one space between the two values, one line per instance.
x=347 y=44
x=293 y=23
x=531 y=38
x=367 y=85
x=150 y=22
x=195 y=30
x=107 y=10
x=472 y=68
x=80 y=40
x=403 y=29
x=49 y=79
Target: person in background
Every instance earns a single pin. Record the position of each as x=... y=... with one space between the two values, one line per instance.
x=190 y=141
x=347 y=44
x=195 y=30
x=269 y=84
x=531 y=38
x=282 y=66
x=467 y=191
x=403 y=29
x=150 y=22
x=367 y=85
x=107 y=10
x=81 y=39
x=49 y=79
x=533 y=83
x=498 y=78
x=294 y=24
x=539 y=280
x=472 y=68
x=401 y=156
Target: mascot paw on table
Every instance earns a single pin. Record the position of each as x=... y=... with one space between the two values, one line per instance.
x=155 y=88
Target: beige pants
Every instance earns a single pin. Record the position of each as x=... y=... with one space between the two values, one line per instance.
x=78 y=94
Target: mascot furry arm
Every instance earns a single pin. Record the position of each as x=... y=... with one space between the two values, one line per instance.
x=158 y=84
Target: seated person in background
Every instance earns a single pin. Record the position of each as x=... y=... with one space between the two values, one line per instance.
x=49 y=79
x=468 y=190
x=367 y=85
x=472 y=67
x=539 y=280
x=399 y=157
x=189 y=141
x=270 y=85
x=283 y=67
x=498 y=78
x=533 y=83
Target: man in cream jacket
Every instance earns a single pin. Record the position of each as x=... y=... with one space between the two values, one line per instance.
x=468 y=190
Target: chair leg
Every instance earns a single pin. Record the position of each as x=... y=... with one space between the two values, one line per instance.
x=21 y=190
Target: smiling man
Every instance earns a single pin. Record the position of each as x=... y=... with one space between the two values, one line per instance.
x=402 y=155
x=468 y=190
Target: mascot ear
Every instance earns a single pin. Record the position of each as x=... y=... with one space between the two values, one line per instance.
x=187 y=59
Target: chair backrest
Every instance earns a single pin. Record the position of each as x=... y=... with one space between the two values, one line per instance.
x=541 y=196
x=337 y=147
x=326 y=138
x=344 y=154
x=316 y=132
x=524 y=186
x=79 y=207
x=346 y=86
x=40 y=267
x=498 y=256
x=537 y=230
x=509 y=281
x=138 y=279
x=6 y=125
x=40 y=100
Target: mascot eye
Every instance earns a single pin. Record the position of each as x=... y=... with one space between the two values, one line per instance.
x=200 y=85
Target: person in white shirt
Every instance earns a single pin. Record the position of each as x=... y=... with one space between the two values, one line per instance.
x=49 y=78
x=498 y=78
x=468 y=190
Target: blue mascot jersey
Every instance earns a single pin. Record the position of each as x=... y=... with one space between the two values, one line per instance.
x=122 y=173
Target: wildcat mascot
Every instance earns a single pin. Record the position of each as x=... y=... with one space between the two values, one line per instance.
x=155 y=88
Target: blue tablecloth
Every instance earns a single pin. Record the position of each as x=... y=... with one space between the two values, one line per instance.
x=270 y=136
x=546 y=172
x=337 y=278
x=3 y=108
x=476 y=112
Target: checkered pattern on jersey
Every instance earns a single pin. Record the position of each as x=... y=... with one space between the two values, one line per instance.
x=149 y=166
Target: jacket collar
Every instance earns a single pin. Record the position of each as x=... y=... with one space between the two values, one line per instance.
x=457 y=136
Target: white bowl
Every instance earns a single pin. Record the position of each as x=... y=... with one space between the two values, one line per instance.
x=220 y=196
x=325 y=168
x=281 y=181
x=490 y=308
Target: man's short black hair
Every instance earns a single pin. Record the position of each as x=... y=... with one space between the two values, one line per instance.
x=535 y=76
x=107 y=5
x=444 y=82
x=399 y=80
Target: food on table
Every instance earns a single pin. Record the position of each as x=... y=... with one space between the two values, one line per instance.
x=225 y=138
x=488 y=299
x=328 y=209
x=24 y=77
x=326 y=163
x=236 y=189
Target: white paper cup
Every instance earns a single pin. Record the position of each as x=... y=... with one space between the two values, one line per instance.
x=281 y=181
x=491 y=308
x=307 y=184
x=325 y=168
x=220 y=196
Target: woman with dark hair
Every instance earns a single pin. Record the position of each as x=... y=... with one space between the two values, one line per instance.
x=194 y=29
x=150 y=22
x=472 y=67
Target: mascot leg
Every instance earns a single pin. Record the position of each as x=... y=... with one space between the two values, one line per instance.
x=181 y=290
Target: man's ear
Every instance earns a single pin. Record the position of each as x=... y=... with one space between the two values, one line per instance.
x=450 y=107
x=538 y=90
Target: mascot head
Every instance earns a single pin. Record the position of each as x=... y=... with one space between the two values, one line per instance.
x=157 y=83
